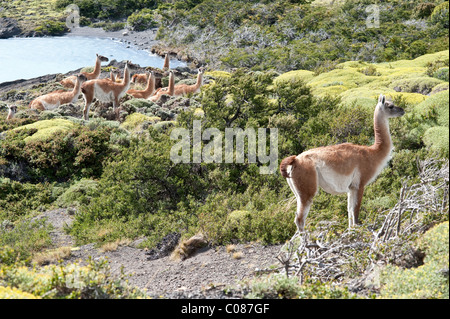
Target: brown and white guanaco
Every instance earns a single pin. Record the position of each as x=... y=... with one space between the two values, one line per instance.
x=105 y=90
x=56 y=98
x=184 y=89
x=339 y=169
x=149 y=90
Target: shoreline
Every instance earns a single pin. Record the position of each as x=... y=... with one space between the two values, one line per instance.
x=141 y=40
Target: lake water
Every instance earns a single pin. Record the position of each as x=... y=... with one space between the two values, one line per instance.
x=25 y=58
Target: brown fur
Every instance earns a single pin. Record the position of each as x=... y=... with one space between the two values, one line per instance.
x=285 y=163
x=69 y=82
x=166 y=65
x=140 y=78
x=149 y=90
x=341 y=168
x=59 y=97
x=168 y=90
x=184 y=89
x=105 y=90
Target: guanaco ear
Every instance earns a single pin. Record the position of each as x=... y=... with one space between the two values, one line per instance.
x=382 y=99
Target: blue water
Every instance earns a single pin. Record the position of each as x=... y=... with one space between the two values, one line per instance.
x=25 y=58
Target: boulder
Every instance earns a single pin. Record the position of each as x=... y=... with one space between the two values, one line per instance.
x=9 y=28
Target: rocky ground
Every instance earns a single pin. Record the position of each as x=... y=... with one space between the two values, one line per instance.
x=212 y=272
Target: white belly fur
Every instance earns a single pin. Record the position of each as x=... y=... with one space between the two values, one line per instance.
x=101 y=95
x=335 y=183
x=49 y=106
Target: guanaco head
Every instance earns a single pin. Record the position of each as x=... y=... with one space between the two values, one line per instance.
x=81 y=78
x=12 y=110
x=166 y=62
x=102 y=58
x=388 y=108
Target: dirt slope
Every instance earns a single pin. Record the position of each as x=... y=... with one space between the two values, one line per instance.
x=204 y=275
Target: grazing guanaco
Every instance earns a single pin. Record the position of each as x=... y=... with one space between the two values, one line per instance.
x=184 y=89
x=149 y=90
x=167 y=90
x=12 y=110
x=105 y=90
x=69 y=82
x=56 y=98
x=344 y=168
x=140 y=78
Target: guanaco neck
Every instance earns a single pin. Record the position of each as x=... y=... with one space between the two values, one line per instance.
x=97 y=68
x=171 y=88
x=199 y=80
x=150 y=84
x=166 y=62
x=10 y=114
x=126 y=77
x=383 y=142
x=77 y=89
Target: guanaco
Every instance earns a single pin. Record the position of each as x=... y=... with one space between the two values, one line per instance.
x=69 y=82
x=184 y=89
x=105 y=90
x=56 y=98
x=344 y=168
x=140 y=78
x=149 y=90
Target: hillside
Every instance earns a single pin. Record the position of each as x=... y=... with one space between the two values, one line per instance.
x=72 y=189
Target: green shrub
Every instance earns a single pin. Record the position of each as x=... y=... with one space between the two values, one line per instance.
x=142 y=20
x=422 y=85
x=73 y=281
x=26 y=238
x=19 y=199
x=441 y=74
x=424 y=282
x=279 y=286
x=50 y=27
x=78 y=194
x=437 y=140
x=73 y=151
x=440 y=15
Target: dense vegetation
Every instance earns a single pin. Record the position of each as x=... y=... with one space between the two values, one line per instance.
x=308 y=70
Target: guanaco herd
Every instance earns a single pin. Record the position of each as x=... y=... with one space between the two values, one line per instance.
x=338 y=169
x=110 y=90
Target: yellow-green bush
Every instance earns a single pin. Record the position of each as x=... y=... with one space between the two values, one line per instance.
x=14 y=293
x=65 y=282
x=437 y=140
x=135 y=120
x=46 y=129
